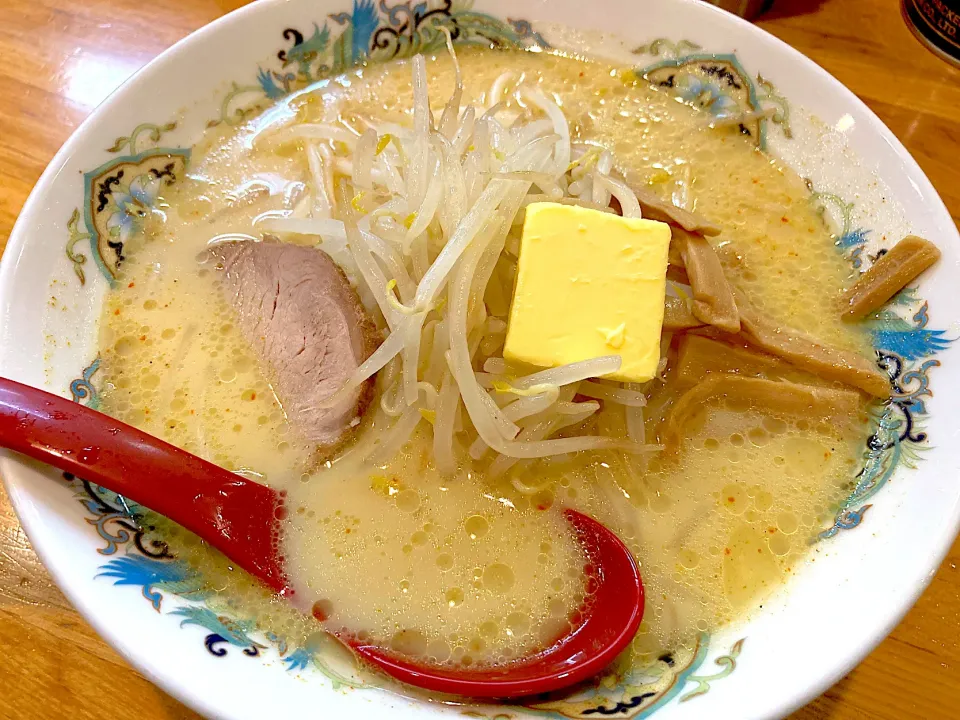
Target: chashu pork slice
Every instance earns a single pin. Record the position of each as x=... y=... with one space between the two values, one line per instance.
x=308 y=328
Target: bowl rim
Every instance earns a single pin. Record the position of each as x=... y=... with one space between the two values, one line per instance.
x=843 y=659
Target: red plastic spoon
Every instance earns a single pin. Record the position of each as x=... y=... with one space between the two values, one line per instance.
x=242 y=519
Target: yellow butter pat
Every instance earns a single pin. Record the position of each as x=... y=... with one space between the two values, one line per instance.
x=589 y=284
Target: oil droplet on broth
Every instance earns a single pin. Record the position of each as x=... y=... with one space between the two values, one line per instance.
x=408 y=500
x=498 y=578
x=409 y=642
x=517 y=624
x=489 y=629
x=689 y=559
x=733 y=498
x=476 y=526
x=788 y=523
x=779 y=544
x=438 y=651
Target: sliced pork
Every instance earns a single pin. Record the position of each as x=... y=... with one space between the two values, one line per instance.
x=307 y=326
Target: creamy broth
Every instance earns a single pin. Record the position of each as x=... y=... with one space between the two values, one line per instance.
x=445 y=567
x=468 y=568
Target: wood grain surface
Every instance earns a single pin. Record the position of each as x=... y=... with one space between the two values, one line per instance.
x=60 y=58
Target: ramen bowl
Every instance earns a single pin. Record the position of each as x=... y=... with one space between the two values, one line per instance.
x=865 y=568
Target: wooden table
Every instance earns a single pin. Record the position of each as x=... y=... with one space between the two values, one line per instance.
x=60 y=58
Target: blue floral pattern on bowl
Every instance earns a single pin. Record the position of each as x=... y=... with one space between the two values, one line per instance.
x=708 y=96
x=120 y=194
x=130 y=204
x=718 y=84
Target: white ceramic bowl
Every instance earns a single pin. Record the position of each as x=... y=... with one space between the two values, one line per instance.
x=831 y=615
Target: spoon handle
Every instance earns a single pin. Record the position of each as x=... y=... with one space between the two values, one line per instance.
x=237 y=516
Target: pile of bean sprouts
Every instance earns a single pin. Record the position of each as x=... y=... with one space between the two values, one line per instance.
x=427 y=220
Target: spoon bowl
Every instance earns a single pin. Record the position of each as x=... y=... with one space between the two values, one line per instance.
x=242 y=519
x=605 y=626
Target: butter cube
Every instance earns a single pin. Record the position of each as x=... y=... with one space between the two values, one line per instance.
x=589 y=284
